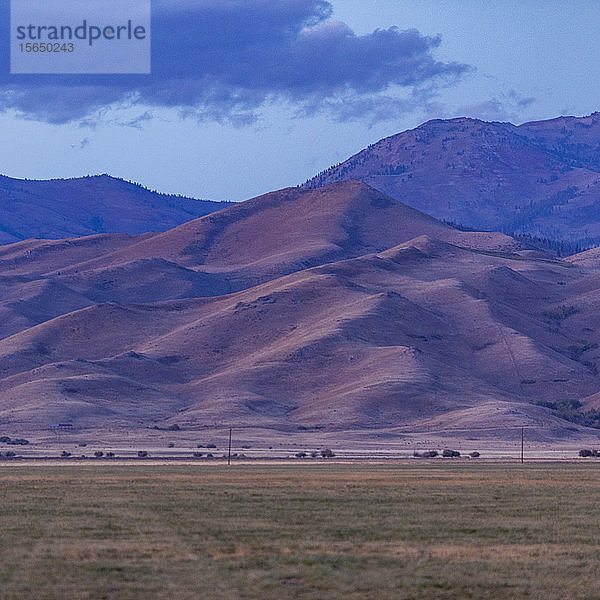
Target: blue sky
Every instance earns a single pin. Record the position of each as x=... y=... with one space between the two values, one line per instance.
x=248 y=96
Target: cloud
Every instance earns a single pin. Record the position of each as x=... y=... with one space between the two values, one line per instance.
x=83 y=143
x=508 y=107
x=223 y=60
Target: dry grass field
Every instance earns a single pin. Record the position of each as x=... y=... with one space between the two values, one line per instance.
x=413 y=530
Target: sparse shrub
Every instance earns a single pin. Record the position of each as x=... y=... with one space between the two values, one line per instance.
x=65 y=454
x=171 y=445
x=427 y=454
x=475 y=454
x=301 y=455
x=327 y=453
x=98 y=454
x=450 y=453
x=173 y=428
x=10 y=454
x=572 y=410
x=199 y=445
x=198 y=454
x=560 y=313
x=110 y=454
x=142 y=453
x=585 y=453
x=314 y=454
x=16 y=442
x=83 y=444
x=211 y=445
x=209 y=455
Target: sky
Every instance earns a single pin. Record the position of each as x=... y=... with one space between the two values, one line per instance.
x=248 y=96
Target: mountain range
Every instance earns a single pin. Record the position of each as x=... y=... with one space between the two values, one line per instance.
x=60 y=208
x=540 y=179
x=337 y=307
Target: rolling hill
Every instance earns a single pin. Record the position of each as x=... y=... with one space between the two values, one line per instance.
x=540 y=178
x=333 y=309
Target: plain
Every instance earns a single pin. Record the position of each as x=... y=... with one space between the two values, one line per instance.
x=407 y=530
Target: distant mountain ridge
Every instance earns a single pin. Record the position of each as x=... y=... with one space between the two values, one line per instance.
x=60 y=208
x=540 y=178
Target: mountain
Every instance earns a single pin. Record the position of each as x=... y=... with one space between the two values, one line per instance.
x=333 y=309
x=60 y=208
x=540 y=178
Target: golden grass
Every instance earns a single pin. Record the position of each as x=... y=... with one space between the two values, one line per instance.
x=440 y=530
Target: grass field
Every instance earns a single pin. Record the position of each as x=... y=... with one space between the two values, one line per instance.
x=381 y=531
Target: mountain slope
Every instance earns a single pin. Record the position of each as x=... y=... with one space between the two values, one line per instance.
x=540 y=178
x=334 y=308
x=288 y=230
x=60 y=208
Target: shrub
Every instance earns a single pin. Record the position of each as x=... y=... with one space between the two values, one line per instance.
x=209 y=455
x=65 y=454
x=98 y=454
x=475 y=454
x=173 y=428
x=10 y=454
x=560 y=313
x=587 y=453
x=110 y=454
x=327 y=453
x=171 y=444
x=301 y=455
x=142 y=453
x=450 y=453
x=427 y=454
x=198 y=454
x=314 y=454
x=211 y=445
x=572 y=410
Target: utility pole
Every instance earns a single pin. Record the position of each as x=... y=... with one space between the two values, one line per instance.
x=229 y=454
x=522 y=442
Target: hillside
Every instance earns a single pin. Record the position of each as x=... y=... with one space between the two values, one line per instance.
x=540 y=178
x=60 y=208
x=335 y=308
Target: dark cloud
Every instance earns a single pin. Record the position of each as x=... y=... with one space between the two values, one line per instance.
x=224 y=59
